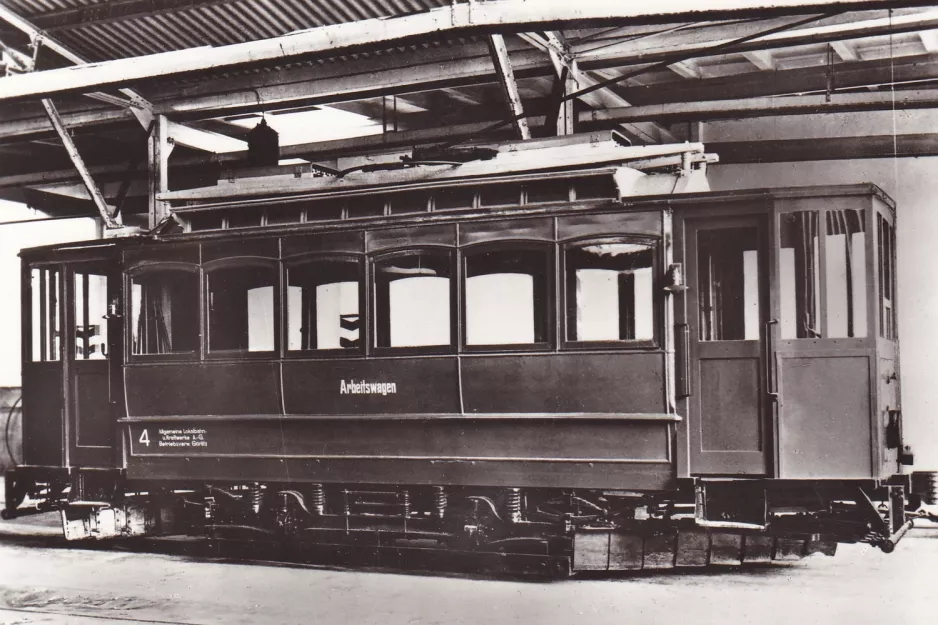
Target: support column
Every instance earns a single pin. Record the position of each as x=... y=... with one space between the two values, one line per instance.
x=159 y=148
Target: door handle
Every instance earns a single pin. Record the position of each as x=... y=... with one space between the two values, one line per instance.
x=682 y=360
x=770 y=382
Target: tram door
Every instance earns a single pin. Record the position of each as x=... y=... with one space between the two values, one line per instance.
x=726 y=312
x=93 y=352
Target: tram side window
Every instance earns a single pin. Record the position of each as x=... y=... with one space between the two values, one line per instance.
x=323 y=305
x=845 y=273
x=241 y=308
x=46 y=331
x=412 y=300
x=164 y=312
x=609 y=292
x=728 y=283
x=887 y=279
x=90 y=310
x=506 y=297
x=799 y=275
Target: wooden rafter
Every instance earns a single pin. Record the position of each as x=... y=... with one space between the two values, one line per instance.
x=458 y=19
x=103 y=210
x=506 y=77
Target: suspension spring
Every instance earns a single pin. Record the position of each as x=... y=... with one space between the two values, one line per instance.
x=317 y=499
x=513 y=504
x=439 y=501
x=257 y=497
x=405 y=503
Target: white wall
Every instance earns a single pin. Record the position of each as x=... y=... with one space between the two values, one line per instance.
x=913 y=184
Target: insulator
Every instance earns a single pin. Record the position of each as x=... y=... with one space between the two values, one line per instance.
x=346 y=504
x=317 y=500
x=439 y=501
x=257 y=497
x=405 y=502
x=513 y=504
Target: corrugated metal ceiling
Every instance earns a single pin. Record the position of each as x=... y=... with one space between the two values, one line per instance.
x=103 y=29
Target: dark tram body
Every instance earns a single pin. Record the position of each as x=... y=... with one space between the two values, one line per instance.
x=529 y=365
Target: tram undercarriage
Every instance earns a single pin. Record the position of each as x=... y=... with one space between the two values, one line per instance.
x=536 y=530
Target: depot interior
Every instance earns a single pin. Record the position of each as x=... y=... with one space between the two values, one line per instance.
x=823 y=94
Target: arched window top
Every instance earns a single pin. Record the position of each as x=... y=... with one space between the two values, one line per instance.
x=147 y=266
x=239 y=261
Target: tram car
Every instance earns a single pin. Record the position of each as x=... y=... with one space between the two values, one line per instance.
x=579 y=357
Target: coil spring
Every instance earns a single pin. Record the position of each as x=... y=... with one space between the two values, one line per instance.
x=405 y=503
x=257 y=497
x=513 y=504
x=317 y=499
x=439 y=501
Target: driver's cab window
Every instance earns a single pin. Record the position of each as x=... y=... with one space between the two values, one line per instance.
x=45 y=283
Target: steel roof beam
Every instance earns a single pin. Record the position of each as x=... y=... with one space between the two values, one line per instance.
x=457 y=20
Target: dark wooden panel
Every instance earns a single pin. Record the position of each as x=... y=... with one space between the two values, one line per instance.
x=202 y=389
x=43 y=428
x=324 y=242
x=163 y=253
x=478 y=232
x=420 y=385
x=93 y=419
x=576 y=226
x=409 y=237
x=824 y=419
x=613 y=383
x=266 y=248
x=729 y=405
x=532 y=440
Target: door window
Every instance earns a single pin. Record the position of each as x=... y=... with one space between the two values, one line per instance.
x=90 y=315
x=728 y=283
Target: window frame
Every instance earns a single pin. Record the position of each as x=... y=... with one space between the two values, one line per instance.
x=234 y=262
x=870 y=286
x=563 y=302
x=29 y=314
x=886 y=273
x=511 y=245
x=314 y=257
x=144 y=268
x=372 y=310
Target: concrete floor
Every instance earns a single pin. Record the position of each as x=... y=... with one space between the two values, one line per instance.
x=43 y=580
